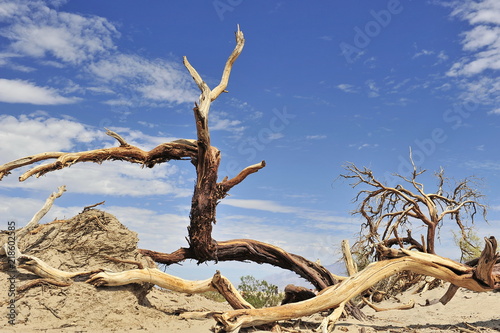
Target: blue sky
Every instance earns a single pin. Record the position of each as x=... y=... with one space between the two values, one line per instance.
x=318 y=84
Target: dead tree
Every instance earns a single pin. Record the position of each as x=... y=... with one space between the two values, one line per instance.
x=391 y=212
x=208 y=191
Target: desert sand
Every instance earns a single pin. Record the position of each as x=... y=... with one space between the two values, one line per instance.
x=85 y=241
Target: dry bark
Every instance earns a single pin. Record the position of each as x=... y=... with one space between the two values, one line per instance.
x=259 y=252
x=336 y=296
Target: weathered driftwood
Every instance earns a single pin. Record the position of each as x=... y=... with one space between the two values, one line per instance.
x=43 y=270
x=99 y=277
x=294 y=294
x=152 y=275
x=175 y=150
x=473 y=278
x=350 y=264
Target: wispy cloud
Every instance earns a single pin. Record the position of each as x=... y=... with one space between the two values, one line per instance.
x=326 y=38
x=265 y=205
x=482 y=41
x=311 y=215
x=221 y=121
x=423 y=52
x=37 y=133
x=19 y=91
x=348 y=88
x=316 y=137
x=484 y=165
x=373 y=89
x=36 y=30
x=157 y=80
x=364 y=145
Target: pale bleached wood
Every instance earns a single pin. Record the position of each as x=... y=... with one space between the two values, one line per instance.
x=349 y=262
x=333 y=296
x=99 y=277
x=328 y=323
x=240 y=43
x=217 y=283
x=33 y=223
x=44 y=270
x=227 y=184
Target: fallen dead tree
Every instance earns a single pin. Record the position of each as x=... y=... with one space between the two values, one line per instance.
x=483 y=277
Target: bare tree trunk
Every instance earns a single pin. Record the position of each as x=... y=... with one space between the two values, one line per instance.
x=431 y=236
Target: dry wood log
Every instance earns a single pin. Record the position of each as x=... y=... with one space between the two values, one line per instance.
x=420 y=263
x=294 y=294
x=100 y=277
x=152 y=275
x=259 y=252
x=42 y=269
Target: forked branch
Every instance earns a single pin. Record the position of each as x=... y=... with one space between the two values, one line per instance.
x=175 y=150
x=391 y=211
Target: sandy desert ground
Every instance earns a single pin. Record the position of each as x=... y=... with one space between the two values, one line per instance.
x=83 y=308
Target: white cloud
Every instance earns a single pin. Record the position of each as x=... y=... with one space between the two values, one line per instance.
x=423 y=53
x=326 y=38
x=38 y=133
x=367 y=145
x=324 y=217
x=19 y=91
x=315 y=137
x=221 y=121
x=348 y=88
x=482 y=41
x=373 y=88
x=265 y=205
x=36 y=30
x=495 y=111
x=477 y=12
x=156 y=80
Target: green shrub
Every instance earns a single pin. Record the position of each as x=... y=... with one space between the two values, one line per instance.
x=259 y=293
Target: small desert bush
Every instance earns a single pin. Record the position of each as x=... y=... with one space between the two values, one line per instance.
x=259 y=293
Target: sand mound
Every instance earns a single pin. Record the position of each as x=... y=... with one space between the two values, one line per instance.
x=82 y=243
